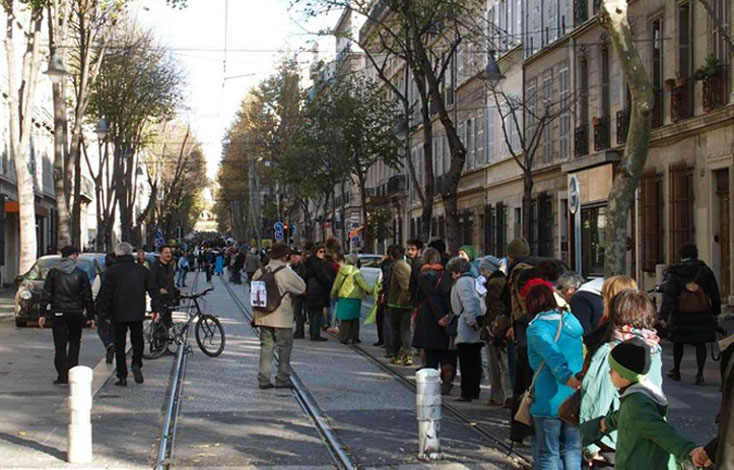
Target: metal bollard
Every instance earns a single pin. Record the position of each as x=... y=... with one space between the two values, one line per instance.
x=428 y=411
x=79 y=445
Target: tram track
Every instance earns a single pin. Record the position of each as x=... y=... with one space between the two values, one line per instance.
x=307 y=402
x=165 y=452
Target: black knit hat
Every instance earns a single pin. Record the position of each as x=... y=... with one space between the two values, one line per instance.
x=631 y=359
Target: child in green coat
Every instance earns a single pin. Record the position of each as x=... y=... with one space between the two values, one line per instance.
x=645 y=440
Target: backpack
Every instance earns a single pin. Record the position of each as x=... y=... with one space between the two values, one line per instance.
x=693 y=299
x=264 y=294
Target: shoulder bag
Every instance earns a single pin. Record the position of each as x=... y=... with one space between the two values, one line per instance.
x=526 y=400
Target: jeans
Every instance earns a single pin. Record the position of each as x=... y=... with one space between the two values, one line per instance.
x=470 y=363
x=136 y=340
x=181 y=278
x=67 y=333
x=556 y=445
x=511 y=362
x=401 y=334
x=380 y=324
x=270 y=340
x=315 y=316
x=105 y=333
x=300 y=316
x=387 y=334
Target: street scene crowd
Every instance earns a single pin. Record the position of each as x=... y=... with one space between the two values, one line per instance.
x=576 y=364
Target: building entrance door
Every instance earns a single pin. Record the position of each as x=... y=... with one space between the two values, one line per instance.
x=724 y=199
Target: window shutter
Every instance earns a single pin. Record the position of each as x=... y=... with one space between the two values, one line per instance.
x=649 y=222
x=545 y=225
x=680 y=207
x=490 y=134
x=489 y=245
x=479 y=154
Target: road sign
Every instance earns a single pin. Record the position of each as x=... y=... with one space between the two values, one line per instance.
x=279 y=226
x=159 y=234
x=574 y=194
x=159 y=242
x=279 y=236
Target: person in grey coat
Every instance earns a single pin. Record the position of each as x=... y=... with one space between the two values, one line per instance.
x=469 y=309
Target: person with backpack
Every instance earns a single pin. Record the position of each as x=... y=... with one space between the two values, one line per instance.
x=469 y=309
x=691 y=303
x=273 y=314
x=349 y=288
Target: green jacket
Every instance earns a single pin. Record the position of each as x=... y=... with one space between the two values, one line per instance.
x=599 y=397
x=350 y=284
x=398 y=294
x=645 y=439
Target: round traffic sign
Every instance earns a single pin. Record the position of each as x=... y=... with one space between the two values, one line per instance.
x=574 y=194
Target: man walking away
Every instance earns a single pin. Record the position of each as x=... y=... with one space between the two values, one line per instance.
x=276 y=328
x=237 y=265
x=66 y=295
x=123 y=299
x=399 y=308
x=296 y=263
x=252 y=263
x=104 y=326
x=183 y=268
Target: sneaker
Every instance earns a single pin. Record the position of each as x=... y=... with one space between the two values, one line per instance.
x=700 y=380
x=674 y=375
x=110 y=354
x=394 y=360
x=408 y=361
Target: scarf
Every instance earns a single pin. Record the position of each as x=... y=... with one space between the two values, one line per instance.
x=623 y=333
x=434 y=267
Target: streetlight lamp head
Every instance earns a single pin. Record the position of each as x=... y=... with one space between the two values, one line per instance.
x=492 y=72
x=102 y=129
x=56 y=70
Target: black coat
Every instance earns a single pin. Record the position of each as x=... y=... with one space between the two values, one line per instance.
x=588 y=308
x=690 y=328
x=161 y=277
x=319 y=279
x=66 y=289
x=434 y=302
x=122 y=296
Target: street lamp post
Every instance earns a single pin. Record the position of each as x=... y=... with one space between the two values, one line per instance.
x=56 y=70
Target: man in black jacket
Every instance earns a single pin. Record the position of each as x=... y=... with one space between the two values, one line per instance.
x=66 y=295
x=161 y=285
x=122 y=297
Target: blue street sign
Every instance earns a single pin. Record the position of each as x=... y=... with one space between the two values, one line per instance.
x=158 y=242
x=279 y=226
x=159 y=234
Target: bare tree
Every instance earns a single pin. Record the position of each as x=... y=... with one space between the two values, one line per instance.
x=21 y=104
x=613 y=16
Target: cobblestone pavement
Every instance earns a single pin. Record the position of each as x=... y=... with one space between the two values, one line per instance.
x=227 y=422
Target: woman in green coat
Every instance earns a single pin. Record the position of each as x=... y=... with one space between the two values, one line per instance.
x=350 y=287
x=631 y=315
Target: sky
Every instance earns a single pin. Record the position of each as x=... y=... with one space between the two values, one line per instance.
x=257 y=33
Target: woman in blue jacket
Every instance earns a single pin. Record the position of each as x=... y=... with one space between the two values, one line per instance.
x=555 y=353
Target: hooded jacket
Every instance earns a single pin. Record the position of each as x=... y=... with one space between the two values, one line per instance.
x=690 y=328
x=469 y=307
x=645 y=439
x=67 y=290
x=562 y=358
x=344 y=288
x=587 y=304
x=161 y=277
x=435 y=303
x=290 y=285
x=598 y=394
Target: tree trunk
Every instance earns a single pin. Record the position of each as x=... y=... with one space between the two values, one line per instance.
x=62 y=209
x=76 y=214
x=527 y=207
x=613 y=16
x=429 y=183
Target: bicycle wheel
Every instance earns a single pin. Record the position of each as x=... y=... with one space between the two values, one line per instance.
x=210 y=335
x=155 y=339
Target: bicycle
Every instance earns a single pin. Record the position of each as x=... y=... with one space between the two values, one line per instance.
x=208 y=331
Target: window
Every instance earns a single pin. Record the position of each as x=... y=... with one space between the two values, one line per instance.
x=651 y=221
x=490 y=246
x=685 y=55
x=656 y=37
x=490 y=134
x=500 y=224
x=469 y=144
x=593 y=227
x=583 y=92
x=721 y=47
x=545 y=225
x=547 y=142
x=517 y=229
x=480 y=157
x=446 y=154
x=468 y=228
x=680 y=208
x=605 y=89
x=565 y=118
x=531 y=110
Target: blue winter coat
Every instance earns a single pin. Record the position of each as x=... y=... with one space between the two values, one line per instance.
x=563 y=359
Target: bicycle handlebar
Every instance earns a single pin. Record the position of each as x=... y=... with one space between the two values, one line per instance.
x=196 y=296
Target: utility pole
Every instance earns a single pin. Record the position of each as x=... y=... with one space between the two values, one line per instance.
x=254 y=200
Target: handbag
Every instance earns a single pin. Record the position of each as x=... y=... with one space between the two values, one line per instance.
x=570 y=409
x=526 y=400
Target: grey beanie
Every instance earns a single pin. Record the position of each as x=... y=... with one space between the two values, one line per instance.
x=351 y=259
x=489 y=263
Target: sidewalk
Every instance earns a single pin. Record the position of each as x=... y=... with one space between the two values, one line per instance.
x=7 y=300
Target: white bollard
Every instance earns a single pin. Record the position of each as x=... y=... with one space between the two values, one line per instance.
x=79 y=446
x=428 y=411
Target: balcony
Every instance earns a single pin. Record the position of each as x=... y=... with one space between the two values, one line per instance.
x=681 y=98
x=714 y=91
x=580 y=12
x=657 y=110
x=601 y=133
x=623 y=125
x=581 y=141
x=396 y=185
